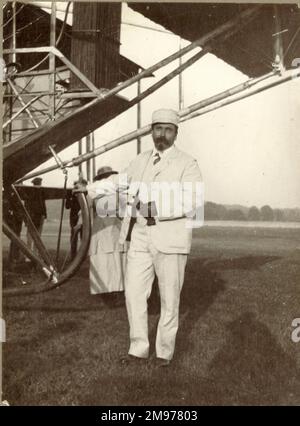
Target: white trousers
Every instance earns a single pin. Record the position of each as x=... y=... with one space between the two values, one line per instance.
x=143 y=261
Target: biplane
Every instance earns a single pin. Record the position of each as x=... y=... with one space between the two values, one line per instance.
x=56 y=94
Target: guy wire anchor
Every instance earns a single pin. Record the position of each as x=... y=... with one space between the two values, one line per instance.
x=51 y=274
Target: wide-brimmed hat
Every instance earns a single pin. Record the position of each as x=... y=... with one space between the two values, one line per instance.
x=165 y=116
x=37 y=181
x=104 y=172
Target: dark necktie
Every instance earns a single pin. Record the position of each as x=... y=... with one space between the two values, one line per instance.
x=157 y=158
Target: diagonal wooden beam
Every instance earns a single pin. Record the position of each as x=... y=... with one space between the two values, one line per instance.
x=21 y=156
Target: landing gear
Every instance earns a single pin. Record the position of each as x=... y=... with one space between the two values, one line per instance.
x=49 y=264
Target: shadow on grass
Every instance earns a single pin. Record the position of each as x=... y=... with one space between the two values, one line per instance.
x=201 y=286
x=253 y=368
x=250 y=369
x=244 y=263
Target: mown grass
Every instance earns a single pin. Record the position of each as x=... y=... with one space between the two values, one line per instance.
x=241 y=293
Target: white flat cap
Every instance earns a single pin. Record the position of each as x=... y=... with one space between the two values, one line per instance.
x=165 y=116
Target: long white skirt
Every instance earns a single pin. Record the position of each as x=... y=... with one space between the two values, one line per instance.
x=107 y=272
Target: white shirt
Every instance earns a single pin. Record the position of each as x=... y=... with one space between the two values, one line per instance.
x=164 y=153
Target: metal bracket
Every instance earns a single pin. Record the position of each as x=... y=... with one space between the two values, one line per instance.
x=278 y=66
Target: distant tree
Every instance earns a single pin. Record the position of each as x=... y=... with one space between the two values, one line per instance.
x=278 y=215
x=253 y=213
x=213 y=211
x=266 y=213
x=292 y=215
x=235 y=214
x=210 y=211
x=222 y=211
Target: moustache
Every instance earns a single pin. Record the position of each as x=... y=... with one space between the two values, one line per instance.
x=161 y=139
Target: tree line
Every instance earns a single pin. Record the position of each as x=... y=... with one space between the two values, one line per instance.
x=214 y=211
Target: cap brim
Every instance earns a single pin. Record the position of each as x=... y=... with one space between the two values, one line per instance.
x=105 y=175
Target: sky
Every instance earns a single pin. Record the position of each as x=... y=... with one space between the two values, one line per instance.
x=248 y=152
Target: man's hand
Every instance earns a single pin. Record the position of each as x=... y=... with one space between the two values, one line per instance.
x=105 y=187
x=122 y=187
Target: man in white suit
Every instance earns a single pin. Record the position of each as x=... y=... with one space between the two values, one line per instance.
x=165 y=194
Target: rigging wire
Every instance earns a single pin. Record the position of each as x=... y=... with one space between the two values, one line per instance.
x=291 y=42
x=40 y=100
x=23 y=28
x=12 y=17
x=23 y=89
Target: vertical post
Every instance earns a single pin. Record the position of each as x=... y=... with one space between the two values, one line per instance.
x=139 y=115
x=180 y=81
x=79 y=153
x=94 y=158
x=88 y=162
x=13 y=58
x=14 y=35
x=52 y=61
x=278 y=47
x=1 y=399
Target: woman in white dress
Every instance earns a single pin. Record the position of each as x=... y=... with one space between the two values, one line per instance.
x=107 y=256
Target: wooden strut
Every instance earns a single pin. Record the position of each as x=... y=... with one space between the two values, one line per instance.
x=39 y=73
x=242 y=96
x=229 y=28
x=25 y=106
x=54 y=278
x=278 y=46
x=52 y=75
x=185 y=114
x=232 y=25
x=25 y=250
x=225 y=30
x=20 y=98
x=34 y=232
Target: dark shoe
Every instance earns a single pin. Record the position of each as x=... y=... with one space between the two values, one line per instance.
x=131 y=359
x=162 y=362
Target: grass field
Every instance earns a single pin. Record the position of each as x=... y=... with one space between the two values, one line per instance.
x=234 y=346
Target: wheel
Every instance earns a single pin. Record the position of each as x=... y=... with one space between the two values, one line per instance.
x=49 y=263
